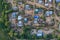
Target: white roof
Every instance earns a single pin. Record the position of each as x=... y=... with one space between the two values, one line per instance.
x=49 y=13
x=35 y=22
x=25 y=19
x=15 y=8
x=39 y=1
x=27 y=5
x=50 y=0
x=46 y=4
x=39 y=33
x=20 y=23
x=36 y=10
x=35 y=19
x=20 y=17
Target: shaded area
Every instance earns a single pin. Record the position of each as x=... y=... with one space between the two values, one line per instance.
x=3 y=36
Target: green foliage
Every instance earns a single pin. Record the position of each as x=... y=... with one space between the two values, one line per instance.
x=43 y=17
x=58 y=4
x=42 y=25
x=3 y=36
x=8 y=11
x=26 y=32
x=31 y=6
x=33 y=36
x=1 y=5
x=11 y=33
x=50 y=36
x=22 y=12
x=58 y=14
x=4 y=23
x=58 y=37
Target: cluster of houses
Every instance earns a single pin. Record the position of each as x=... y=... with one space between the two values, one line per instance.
x=36 y=20
x=33 y=16
x=47 y=3
x=41 y=33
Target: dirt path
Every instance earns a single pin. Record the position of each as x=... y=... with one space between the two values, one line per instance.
x=37 y=4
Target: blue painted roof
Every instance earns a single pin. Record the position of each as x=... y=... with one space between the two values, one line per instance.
x=57 y=0
x=36 y=16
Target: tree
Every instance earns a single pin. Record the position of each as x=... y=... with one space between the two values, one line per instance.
x=58 y=14
x=43 y=17
x=1 y=5
x=58 y=4
x=4 y=23
x=26 y=32
x=49 y=36
x=58 y=37
x=3 y=36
